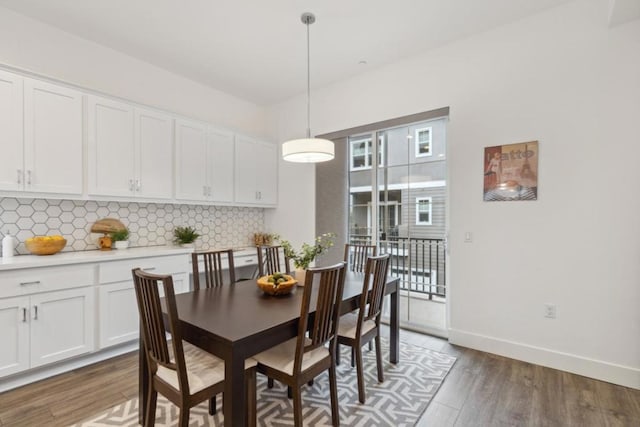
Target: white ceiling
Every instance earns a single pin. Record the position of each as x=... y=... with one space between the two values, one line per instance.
x=256 y=49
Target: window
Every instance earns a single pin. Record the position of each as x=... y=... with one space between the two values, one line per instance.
x=423 y=142
x=423 y=210
x=362 y=152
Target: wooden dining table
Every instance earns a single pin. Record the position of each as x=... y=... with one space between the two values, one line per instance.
x=237 y=321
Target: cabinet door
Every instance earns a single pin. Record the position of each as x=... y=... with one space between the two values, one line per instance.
x=52 y=138
x=154 y=154
x=14 y=330
x=191 y=161
x=246 y=164
x=268 y=173
x=221 y=165
x=118 y=313
x=11 y=160
x=111 y=165
x=62 y=325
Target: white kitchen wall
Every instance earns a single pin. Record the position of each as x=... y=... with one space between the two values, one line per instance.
x=150 y=224
x=30 y=45
x=567 y=80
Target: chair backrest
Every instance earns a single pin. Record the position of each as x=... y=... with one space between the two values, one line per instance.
x=213 y=267
x=156 y=348
x=330 y=284
x=371 y=301
x=356 y=256
x=271 y=259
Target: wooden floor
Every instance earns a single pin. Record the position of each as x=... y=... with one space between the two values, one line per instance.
x=481 y=390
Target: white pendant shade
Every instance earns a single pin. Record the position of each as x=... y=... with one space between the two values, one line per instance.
x=308 y=150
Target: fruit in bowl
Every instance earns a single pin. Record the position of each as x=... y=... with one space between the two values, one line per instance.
x=45 y=245
x=276 y=284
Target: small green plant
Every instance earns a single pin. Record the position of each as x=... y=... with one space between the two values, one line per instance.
x=120 y=235
x=184 y=235
x=308 y=252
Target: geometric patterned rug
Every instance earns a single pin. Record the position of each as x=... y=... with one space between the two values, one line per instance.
x=398 y=401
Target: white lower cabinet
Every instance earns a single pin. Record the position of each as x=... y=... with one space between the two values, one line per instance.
x=45 y=328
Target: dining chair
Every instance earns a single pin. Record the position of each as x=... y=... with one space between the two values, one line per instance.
x=358 y=329
x=213 y=267
x=301 y=359
x=185 y=378
x=356 y=256
x=271 y=259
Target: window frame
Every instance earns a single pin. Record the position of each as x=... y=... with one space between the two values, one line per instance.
x=417 y=142
x=368 y=152
x=418 y=211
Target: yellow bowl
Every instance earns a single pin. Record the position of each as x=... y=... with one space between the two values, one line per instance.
x=282 y=289
x=45 y=245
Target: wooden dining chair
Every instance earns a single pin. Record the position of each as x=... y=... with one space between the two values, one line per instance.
x=300 y=360
x=271 y=259
x=185 y=378
x=213 y=264
x=359 y=329
x=356 y=256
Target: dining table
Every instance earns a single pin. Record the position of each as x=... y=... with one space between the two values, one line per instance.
x=237 y=321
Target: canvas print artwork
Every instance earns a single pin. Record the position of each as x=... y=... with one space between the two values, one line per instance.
x=511 y=172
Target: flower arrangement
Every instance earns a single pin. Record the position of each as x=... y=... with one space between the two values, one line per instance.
x=308 y=252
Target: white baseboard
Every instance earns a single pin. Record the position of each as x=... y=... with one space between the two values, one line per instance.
x=617 y=374
x=33 y=375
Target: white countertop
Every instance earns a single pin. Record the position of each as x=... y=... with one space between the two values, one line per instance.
x=80 y=257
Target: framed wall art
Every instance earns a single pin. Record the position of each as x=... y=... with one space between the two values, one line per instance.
x=511 y=172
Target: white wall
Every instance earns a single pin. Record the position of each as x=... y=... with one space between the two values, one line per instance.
x=565 y=79
x=30 y=45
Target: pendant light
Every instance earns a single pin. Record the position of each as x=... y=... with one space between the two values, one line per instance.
x=308 y=150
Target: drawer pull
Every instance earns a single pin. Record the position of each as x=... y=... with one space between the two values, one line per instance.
x=148 y=269
x=35 y=312
x=248 y=260
x=24 y=314
x=35 y=282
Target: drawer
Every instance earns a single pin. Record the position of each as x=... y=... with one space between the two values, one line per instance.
x=119 y=271
x=43 y=279
x=238 y=262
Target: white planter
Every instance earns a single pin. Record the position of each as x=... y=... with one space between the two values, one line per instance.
x=122 y=244
x=300 y=275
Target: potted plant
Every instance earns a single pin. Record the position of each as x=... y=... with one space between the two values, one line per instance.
x=184 y=236
x=121 y=237
x=307 y=254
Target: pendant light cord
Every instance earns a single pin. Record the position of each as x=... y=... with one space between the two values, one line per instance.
x=308 y=83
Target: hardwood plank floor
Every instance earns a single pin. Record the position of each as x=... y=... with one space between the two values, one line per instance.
x=482 y=389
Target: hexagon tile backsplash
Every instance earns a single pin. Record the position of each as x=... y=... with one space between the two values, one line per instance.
x=150 y=224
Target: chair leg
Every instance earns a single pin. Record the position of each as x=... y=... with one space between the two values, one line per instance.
x=252 y=408
x=333 y=389
x=360 y=374
x=289 y=392
x=152 y=398
x=337 y=354
x=269 y=382
x=370 y=346
x=353 y=353
x=184 y=417
x=212 y=406
x=379 y=359
x=297 y=407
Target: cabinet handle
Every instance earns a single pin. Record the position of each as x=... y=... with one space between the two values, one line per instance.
x=35 y=282
x=148 y=269
x=35 y=312
x=28 y=176
x=137 y=185
x=19 y=176
x=248 y=261
x=24 y=314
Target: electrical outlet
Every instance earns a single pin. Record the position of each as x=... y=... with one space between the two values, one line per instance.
x=468 y=237
x=550 y=311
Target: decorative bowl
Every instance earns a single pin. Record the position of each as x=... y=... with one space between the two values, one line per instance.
x=282 y=288
x=45 y=245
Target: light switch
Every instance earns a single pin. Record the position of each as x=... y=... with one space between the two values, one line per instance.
x=468 y=237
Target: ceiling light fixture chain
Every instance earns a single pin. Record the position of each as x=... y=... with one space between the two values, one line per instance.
x=308 y=150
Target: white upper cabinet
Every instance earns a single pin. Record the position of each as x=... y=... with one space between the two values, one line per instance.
x=204 y=163
x=154 y=154
x=256 y=177
x=11 y=160
x=221 y=165
x=130 y=150
x=41 y=133
x=192 y=182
